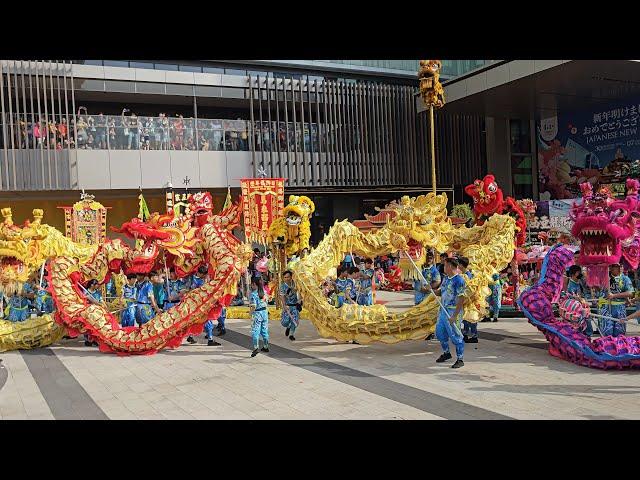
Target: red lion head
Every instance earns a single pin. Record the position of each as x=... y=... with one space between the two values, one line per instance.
x=487 y=196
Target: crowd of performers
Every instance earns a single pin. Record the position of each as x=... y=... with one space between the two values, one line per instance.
x=143 y=297
x=610 y=303
x=31 y=299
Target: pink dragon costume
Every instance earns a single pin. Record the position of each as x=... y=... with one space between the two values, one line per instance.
x=608 y=230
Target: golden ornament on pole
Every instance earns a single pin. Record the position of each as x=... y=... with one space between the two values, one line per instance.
x=432 y=94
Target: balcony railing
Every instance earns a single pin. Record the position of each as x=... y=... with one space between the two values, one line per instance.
x=112 y=132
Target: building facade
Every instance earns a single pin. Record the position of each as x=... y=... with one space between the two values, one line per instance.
x=553 y=124
x=328 y=127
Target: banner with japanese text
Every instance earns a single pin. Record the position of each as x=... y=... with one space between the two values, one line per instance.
x=262 y=203
x=595 y=145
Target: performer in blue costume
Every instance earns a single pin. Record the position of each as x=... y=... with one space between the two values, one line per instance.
x=448 y=326
x=614 y=304
x=431 y=275
x=495 y=299
x=17 y=309
x=198 y=280
x=575 y=288
x=129 y=297
x=94 y=296
x=365 y=292
x=259 y=317
x=220 y=328
x=146 y=307
x=289 y=299
x=469 y=329
x=344 y=286
x=177 y=288
x=44 y=300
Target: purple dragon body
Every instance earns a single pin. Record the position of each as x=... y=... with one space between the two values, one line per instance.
x=565 y=341
x=609 y=232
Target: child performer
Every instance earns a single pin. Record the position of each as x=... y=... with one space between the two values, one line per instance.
x=289 y=299
x=129 y=296
x=94 y=296
x=259 y=316
x=344 y=286
x=495 y=299
x=365 y=295
x=469 y=329
x=431 y=275
x=614 y=305
x=147 y=308
x=448 y=326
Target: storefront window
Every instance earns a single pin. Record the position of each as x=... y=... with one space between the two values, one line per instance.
x=520 y=136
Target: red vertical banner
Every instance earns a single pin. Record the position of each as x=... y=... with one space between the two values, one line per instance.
x=262 y=203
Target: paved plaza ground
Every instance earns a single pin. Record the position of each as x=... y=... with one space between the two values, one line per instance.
x=507 y=375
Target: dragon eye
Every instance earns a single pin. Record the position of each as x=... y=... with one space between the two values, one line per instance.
x=493 y=188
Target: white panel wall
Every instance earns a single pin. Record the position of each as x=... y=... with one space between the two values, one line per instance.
x=125 y=169
x=156 y=168
x=239 y=166
x=93 y=169
x=213 y=169
x=183 y=165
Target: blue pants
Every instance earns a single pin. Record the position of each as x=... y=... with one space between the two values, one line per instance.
x=260 y=328
x=290 y=320
x=128 y=317
x=222 y=318
x=208 y=329
x=609 y=327
x=446 y=331
x=365 y=298
x=469 y=329
x=144 y=313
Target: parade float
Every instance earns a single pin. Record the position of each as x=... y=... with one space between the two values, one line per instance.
x=608 y=231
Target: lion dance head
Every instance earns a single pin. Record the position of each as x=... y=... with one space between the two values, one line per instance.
x=294 y=227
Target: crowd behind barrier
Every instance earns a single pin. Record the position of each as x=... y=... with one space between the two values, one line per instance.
x=132 y=132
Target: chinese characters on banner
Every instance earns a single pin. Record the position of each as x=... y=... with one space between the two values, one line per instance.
x=86 y=222
x=262 y=202
x=594 y=145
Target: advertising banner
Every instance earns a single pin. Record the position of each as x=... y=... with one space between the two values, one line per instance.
x=594 y=145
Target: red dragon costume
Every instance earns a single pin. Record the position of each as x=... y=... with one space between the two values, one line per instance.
x=488 y=199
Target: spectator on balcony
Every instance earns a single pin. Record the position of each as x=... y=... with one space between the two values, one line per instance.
x=111 y=127
x=244 y=144
x=81 y=126
x=177 y=133
x=204 y=143
x=23 y=133
x=147 y=133
x=91 y=127
x=156 y=133
x=90 y=142
x=53 y=134
x=101 y=132
x=131 y=125
x=266 y=138
x=164 y=125
x=29 y=135
x=62 y=132
x=188 y=130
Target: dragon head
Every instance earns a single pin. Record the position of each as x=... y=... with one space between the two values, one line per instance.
x=159 y=232
x=606 y=228
x=417 y=224
x=487 y=196
x=201 y=207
